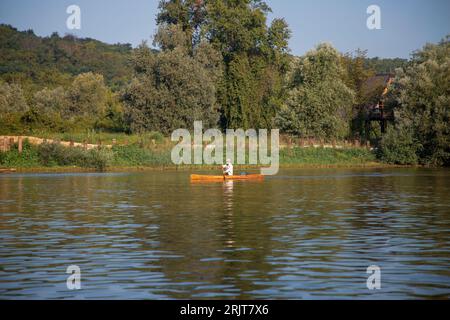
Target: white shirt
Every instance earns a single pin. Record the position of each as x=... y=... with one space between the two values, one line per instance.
x=228 y=169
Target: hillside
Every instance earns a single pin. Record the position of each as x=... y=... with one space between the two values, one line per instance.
x=37 y=62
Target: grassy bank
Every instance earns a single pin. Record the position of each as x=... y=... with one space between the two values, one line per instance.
x=54 y=157
x=57 y=156
x=318 y=157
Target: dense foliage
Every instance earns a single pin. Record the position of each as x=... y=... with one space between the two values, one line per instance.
x=59 y=83
x=86 y=103
x=50 y=155
x=422 y=91
x=319 y=102
x=218 y=62
x=173 y=88
x=380 y=65
x=252 y=60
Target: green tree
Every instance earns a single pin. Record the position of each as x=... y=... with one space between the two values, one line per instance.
x=113 y=119
x=188 y=15
x=385 y=65
x=356 y=73
x=86 y=104
x=173 y=88
x=47 y=105
x=87 y=97
x=319 y=103
x=254 y=56
x=399 y=146
x=12 y=99
x=12 y=106
x=422 y=93
x=51 y=101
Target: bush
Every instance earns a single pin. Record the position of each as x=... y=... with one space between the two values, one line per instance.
x=157 y=136
x=28 y=158
x=99 y=159
x=133 y=155
x=51 y=154
x=11 y=123
x=326 y=156
x=398 y=146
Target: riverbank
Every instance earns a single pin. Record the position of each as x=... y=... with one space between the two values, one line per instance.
x=75 y=169
x=53 y=158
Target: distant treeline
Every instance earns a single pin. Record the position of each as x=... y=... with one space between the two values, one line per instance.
x=220 y=62
x=385 y=66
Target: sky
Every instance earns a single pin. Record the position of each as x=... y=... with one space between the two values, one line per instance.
x=406 y=25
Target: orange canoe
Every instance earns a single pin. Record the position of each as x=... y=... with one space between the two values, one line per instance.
x=198 y=177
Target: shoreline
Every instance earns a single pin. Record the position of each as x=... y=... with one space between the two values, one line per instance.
x=192 y=168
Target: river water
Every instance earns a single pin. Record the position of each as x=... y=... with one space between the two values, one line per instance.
x=304 y=234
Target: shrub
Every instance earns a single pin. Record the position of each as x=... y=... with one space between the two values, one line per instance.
x=28 y=158
x=51 y=154
x=398 y=146
x=133 y=155
x=326 y=156
x=157 y=136
x=99 y=159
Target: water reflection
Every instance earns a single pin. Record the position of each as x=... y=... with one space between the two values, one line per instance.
x=228 y=216
x=302 y=234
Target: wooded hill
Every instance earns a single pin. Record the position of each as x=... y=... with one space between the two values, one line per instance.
x=37 y=62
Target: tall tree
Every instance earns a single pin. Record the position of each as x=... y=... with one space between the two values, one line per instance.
x=254 y=56
x=422 y=93
x=87 y=96
x=189 y=15
x=356 y=73
x=319 y=102
x=173 y=88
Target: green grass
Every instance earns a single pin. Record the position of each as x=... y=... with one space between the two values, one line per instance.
x=323 y=156
x=135 y=155
x=29 y=157
x=54 y=155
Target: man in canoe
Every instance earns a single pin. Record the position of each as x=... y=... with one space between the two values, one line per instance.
x=228 y=168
